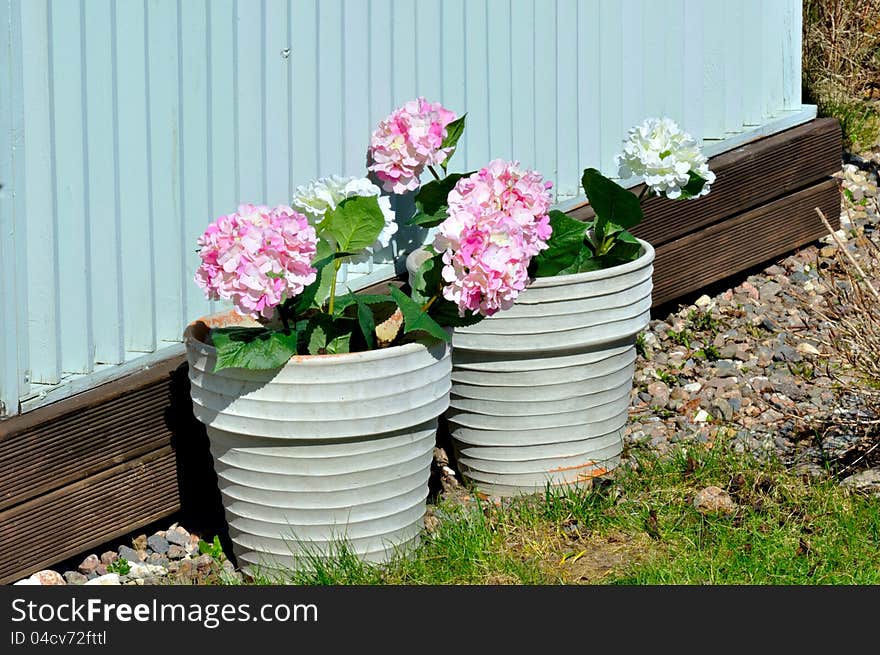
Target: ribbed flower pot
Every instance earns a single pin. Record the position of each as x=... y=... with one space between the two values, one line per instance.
x=327 y=448
x=540 y=392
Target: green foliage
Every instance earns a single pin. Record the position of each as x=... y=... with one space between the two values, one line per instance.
x=120 y=566
x=641 y=345
x=427 y=279
x=354 y=224
x=214 y=549
x=431 y=200
x=709 y=353
x=255 y=348
x=703 y=321
x=416 y=319
x=682 y=338
x=694 y=186
x=612 y=203
x=453 y=133
x=564 y=247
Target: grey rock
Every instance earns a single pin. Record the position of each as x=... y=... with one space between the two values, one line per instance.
x=866 y=482
x=158 y=544
x=89 y=564
x=177 y=552
x=74 y=577
x=178 y=536
x=721 y=407
x=129 y=554
x=726 y=368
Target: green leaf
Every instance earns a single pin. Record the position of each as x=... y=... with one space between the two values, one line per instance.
x=611 y=202
x=252 y=348
x=694 y=186
x=367 y=322
x=354 y=224
x=431 y=200
x=453 y=133
x=427 y=280
x=326 y=336
x=416 y=320
x=316 y=293
x=564 y=246
x=445 y=312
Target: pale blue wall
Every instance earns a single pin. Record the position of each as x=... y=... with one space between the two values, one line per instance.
x=127 y=125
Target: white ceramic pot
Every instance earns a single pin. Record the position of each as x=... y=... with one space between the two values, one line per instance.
x=541 y=392
x=327 y=448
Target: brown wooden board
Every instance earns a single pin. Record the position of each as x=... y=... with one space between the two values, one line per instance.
x=713 y=253
x=747 y=177
x=53 y=446
x=94 y=510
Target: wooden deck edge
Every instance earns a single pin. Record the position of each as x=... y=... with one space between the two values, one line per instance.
x=92 y=511
x=753 y=237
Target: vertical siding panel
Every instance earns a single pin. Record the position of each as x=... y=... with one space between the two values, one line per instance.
x=13 y=280
x=195 y=208
x=165 y=170
x=500 y=83
x=304 y=90
x=773 y=57
x=42 y=326
x=545 y=89
x=692 y=65
x=106 y=288
x=753 y=63
x=330 y=108
x=77 y=350
x=221 y=111
x=249 y=100
x=429 y=66
x=733 y=66
x=791 y=55
x=632 y=55
x=403 y=50
x=454 y=71
x=655 y=73
x=673 y=52
x=277 y=138
x=567 y=127
x=611 y=79
x=133 y=195
x=714 y=70
x=522 y=94
x=380 y=94
x=588 y=90
x=356 y=87
x=477 y=83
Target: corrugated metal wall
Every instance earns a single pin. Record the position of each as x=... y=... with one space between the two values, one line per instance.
x=129 y=124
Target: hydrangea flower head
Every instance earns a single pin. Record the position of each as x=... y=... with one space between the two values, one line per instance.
x=407 y=141
x=664 y=156
x=322 y=195
x=257 y=258
x=496 y=222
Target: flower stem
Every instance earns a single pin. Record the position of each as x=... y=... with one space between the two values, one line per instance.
x=428 y=304
x=336 y=265
x=434 y=173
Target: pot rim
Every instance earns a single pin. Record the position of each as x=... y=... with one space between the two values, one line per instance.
x=197 y=330
x=644 y=260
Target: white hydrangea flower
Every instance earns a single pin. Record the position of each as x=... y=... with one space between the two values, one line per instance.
x=664 y=156
x=322 y=195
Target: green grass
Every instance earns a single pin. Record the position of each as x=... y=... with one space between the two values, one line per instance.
x=641 y=528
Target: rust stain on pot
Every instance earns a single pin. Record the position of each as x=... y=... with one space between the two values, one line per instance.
x=593 y=471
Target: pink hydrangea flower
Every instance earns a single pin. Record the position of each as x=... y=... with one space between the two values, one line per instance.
x=407 y=141
x=257 y=258
x=496 y=222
